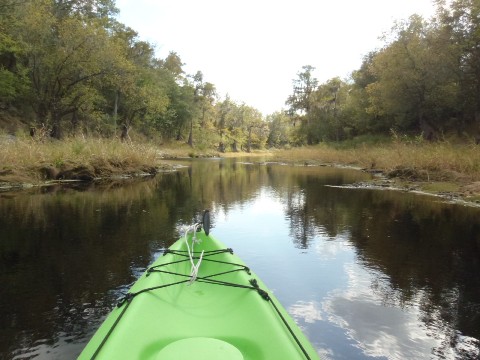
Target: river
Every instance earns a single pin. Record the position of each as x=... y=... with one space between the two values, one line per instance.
x=367 y=274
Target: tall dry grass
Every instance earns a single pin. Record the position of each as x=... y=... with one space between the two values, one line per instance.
x=24 y=153
x=436 y=161
x=439 y=160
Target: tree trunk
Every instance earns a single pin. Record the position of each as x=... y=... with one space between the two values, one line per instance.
x=249 y=142
x=234 y=146
x=115 y=112
x=428 y=131
x=190 y=136
x=124 y=134
x=56 y=131
x=74 y=121
x=203 y=117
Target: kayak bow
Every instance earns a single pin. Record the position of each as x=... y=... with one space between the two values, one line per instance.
x=199 y=301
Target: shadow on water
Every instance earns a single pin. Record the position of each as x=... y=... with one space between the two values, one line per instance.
x=67 y=254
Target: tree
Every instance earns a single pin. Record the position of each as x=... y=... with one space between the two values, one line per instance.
x=173 y=63
x=300 y=102
x=207 y=101
x=87 y=9
x=143 y=100
x=225 y=111
x=280 y=129
x=67 y=59
x=255 y=128
x=13 y=74
x=204 y=97
x=180 y=93
x=140 y=94
x=411 y=83
x=459 y=25
x=325 y=111
x=357 y=100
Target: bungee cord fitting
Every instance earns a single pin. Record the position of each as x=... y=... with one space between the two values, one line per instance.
x=195 y=266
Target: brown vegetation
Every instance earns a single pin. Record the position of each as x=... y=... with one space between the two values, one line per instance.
x=439 y=167
x=421 y=163
x=33 y=162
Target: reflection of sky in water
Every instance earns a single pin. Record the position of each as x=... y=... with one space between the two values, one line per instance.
x=379 y=330
x=383 y=329
x=347 y=310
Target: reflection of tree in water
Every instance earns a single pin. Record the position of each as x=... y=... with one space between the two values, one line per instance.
x=85 y=242
x=302 y=226
x=67 y=255
x=431 y=250
x=314 y=209
x=430 y=253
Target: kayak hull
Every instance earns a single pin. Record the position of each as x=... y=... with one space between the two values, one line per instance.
x=227 y=312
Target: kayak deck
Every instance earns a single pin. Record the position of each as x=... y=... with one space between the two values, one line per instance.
x=225 y=313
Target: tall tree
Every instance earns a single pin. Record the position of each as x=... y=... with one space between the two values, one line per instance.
x=460 y=25
x=357 y=100
x=139 y=94
x=67 y=59
x=86 y=9
x=300 y=102
x=303 y=87
x=280 y=130
x=173 y=63
x=411 y=82
x=14 y=83
x=326 y=109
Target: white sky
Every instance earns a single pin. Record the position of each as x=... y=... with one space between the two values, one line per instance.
x=253 y=49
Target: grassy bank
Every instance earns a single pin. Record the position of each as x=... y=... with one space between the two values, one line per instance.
x=29 y=161
x=438 y=167
x=434 y=167
x=425 y=161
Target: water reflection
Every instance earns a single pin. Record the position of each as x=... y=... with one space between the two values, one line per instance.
x=367 y=274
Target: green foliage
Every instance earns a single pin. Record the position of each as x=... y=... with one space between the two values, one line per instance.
x=371 y=140
x=13 y=74
x=425 y=80
x=303 y=87
x=280 y=130
x=8 y=88
x=206 y=140
x=241 y=127
x=413 y=88
x=81 y=71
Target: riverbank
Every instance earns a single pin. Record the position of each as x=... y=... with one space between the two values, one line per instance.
x=27 y=163
x=442 y=169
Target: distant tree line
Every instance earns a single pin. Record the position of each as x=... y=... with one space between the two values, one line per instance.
x=69 y=67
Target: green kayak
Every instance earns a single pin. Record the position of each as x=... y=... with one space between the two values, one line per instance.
x=199 y=301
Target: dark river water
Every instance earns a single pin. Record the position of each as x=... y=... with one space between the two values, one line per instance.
x=367 y=274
